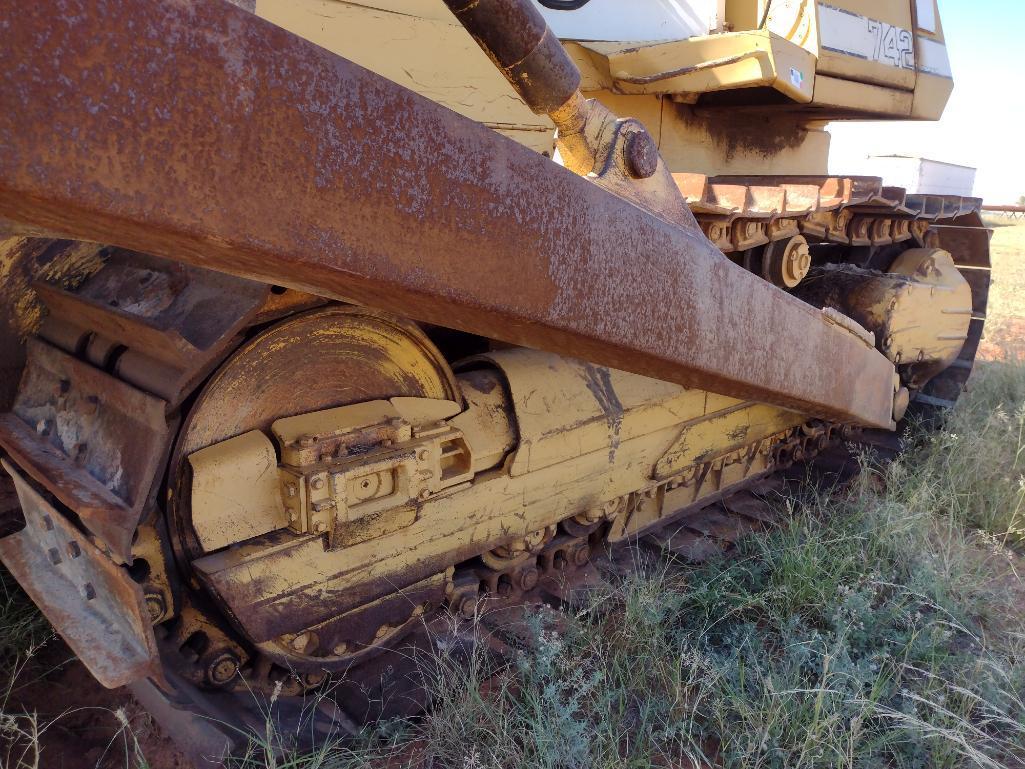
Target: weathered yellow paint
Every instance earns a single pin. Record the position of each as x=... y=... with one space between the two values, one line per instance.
x=862 y=98
x=897 y=14
x=290 y=430
x=931 y=96
x=721 y=433
x=418 y=45
x=439 y=60
x=716 y=63
x=486 y=424
x=235 y=491
x=587 y=436
x=928 y=318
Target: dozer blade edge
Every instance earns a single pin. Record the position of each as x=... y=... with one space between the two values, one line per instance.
x=196 y=131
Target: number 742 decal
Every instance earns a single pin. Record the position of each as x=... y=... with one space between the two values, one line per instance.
x=893 y=45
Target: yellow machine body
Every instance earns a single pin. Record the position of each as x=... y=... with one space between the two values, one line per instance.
x=788 y=67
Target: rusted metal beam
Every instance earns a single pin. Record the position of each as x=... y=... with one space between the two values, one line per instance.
x=196 y=131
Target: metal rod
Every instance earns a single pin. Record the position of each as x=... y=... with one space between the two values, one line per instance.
x=514 y=34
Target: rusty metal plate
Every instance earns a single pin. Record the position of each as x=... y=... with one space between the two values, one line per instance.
x=89 y=600
x=165 y=322
x=24 y=260
x=225 y=142
x=95 y=442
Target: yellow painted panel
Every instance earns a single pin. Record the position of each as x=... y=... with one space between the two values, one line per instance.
x=852 y=68
x=931 y=96
x=862 y=97
x=432 y=56
x=712 y=63
x=868 y=41
x=895 y=12
x=566 y=408
x=235 y=492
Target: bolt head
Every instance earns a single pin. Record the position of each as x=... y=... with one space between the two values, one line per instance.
x=529 y=578
x=155 y=606
x=468 y=606
x=581 y=555
x=222 y=669
x=641 y=155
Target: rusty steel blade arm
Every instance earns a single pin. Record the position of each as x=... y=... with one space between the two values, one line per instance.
x=196 y=131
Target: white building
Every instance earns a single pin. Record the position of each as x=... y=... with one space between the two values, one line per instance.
x=921 y=176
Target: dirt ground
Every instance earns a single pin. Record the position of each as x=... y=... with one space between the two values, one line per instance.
x=85 y=731
x=83 y=725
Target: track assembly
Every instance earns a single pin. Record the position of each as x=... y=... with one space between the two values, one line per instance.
x=336 y=488
x=356 y=367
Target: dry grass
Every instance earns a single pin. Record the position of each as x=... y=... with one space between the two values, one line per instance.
x=1007 y=292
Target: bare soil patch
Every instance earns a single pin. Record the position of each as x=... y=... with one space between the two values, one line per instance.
x=83 y=725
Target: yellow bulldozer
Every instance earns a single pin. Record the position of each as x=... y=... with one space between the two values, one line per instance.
x=327 y=322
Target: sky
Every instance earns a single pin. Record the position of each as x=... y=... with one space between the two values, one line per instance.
x=984 y=123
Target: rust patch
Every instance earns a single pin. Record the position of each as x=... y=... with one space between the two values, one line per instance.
x=764 y=133
x=92 y=440
x=599 y=383
x=23 y=261
x=90 y=601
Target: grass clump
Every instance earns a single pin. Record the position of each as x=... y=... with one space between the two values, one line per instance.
x=881 y=627
x=22 y=629
x=973 y=470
